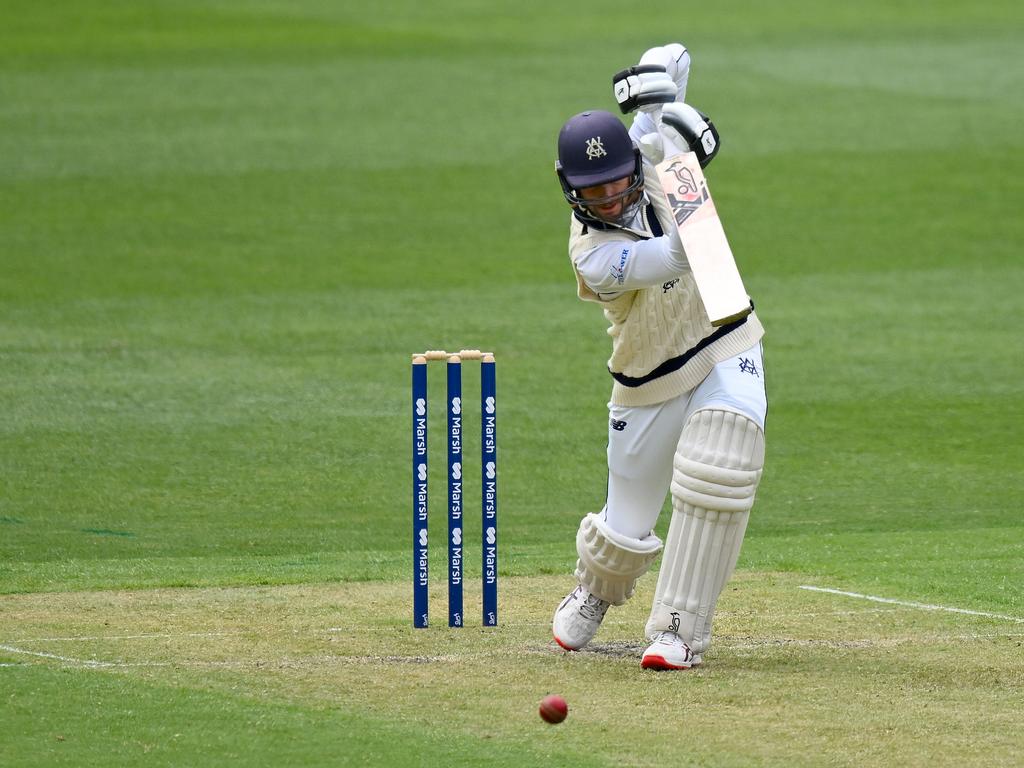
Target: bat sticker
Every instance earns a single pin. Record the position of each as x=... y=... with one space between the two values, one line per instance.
x=686 y=196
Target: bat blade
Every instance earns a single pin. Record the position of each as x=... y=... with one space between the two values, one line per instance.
x=703 y=237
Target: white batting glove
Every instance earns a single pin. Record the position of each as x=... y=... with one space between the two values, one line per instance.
x=676 y=60
x=660 y=144
x=645 y=87
x=686 y=127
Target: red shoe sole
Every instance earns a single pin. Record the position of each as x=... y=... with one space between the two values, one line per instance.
x=660 y=663
x=564 y=646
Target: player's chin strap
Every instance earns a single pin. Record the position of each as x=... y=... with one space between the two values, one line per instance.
x=717 y=469
x=590 y=220
x=582 y=213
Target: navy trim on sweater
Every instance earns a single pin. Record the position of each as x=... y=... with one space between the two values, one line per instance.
x=674 y=364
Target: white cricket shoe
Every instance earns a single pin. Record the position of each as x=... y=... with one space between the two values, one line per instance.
x=668 y=651
x=578 y=618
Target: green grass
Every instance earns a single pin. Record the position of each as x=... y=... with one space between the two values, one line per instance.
x=334 y=675
x=223 y=227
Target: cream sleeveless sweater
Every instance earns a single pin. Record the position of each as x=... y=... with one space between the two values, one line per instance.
x=662 y=342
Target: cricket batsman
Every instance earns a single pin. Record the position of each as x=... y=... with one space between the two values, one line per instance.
x=688 y=403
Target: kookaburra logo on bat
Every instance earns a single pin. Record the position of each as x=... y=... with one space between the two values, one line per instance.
x=686 y=195
x=686 y=184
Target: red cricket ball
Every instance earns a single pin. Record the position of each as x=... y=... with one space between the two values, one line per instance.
x=553 y=708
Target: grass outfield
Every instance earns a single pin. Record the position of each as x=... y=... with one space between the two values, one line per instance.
x=223 y=227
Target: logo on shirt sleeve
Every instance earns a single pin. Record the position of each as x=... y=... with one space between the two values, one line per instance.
x=618 y=271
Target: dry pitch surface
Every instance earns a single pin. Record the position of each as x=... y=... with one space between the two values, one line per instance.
x=795 y=677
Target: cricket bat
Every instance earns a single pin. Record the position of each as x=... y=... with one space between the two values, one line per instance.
x=700 y=230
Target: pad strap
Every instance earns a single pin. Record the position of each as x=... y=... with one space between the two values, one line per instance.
x=610 y=563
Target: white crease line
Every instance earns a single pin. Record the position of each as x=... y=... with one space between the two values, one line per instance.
x=92 y=663
x=747 y=613
x=908 y=604
x=118 y=637
x=264 y=632
x=65 y=659
x=227 y=663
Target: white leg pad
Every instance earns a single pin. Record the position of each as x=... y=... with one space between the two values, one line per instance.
x=716 y=471
x=610 y=563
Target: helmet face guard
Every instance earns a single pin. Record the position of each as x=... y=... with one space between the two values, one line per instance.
x=572 y=192
x=594 y=148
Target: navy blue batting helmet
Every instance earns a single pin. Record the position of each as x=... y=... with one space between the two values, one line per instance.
x=595 y=148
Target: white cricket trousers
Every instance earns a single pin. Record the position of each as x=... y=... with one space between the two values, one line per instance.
x=642 y=440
